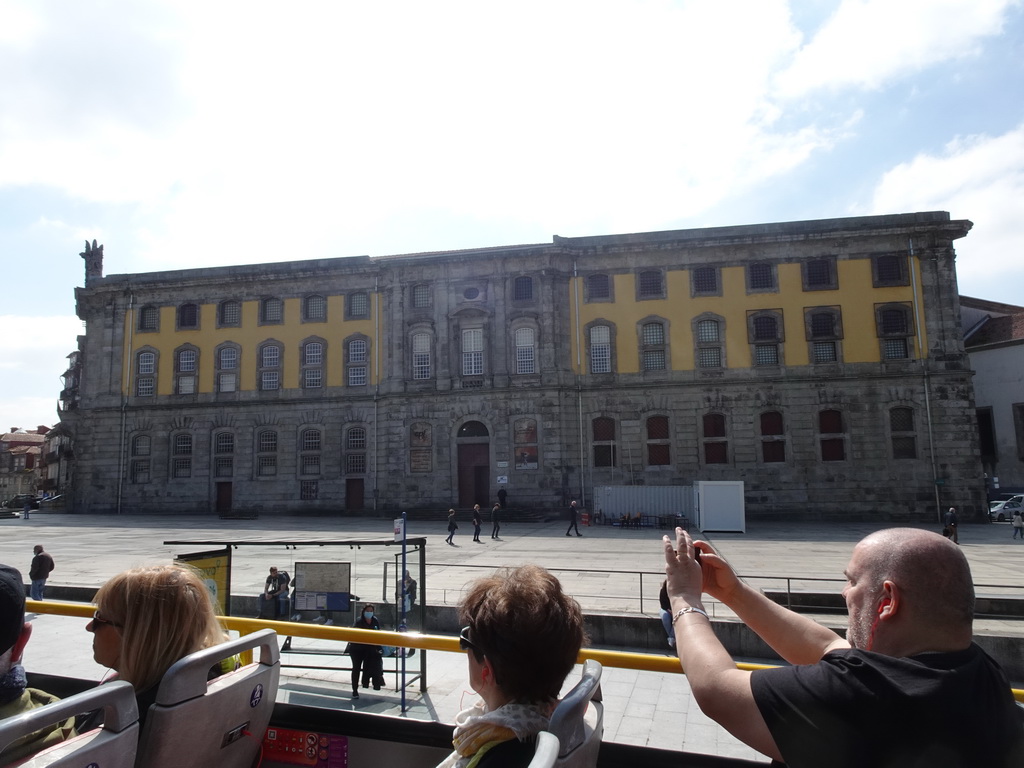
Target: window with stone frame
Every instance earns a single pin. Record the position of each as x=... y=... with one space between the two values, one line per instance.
x=473 y=352
x=903 y=433
x=223 y=454
x=188 y=317
x=140 y=466
x=227 y=368
x=653 y=346
x=181 y=455
x=819 y=274
x=186 y=364
x=715 y=441
x=421 y=357
x=832 y=435
x=773 y=440
x=145 y=373
x=312 y=372
x=309 y=490
x=710 y=347
x=889 y=270
x=658 y=443
x=705 y=281
x=895 y=329
x=141 y=471
x=269 y=367
x=650 y=284
x=600 y=352
x=266 y=452
x=149 y=318
x=355 y=451
x=761 y=277
x=522 y=288
x=824 y=330
x=765 y=331
x=526 y=351
x=229 y=314
x=357 y=358
x=526 y=444
x=271 y=311
x=310 y=443
x=603 y=442
x=598 y=287
x=314 y=309
x=357 y=305
x=421 y=296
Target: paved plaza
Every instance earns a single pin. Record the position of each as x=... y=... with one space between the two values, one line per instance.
x=608 y=570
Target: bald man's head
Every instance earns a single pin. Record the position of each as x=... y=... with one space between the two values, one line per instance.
x=931 y=572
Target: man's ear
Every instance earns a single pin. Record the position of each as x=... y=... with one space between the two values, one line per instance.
x=19 y=647
x=889 y=603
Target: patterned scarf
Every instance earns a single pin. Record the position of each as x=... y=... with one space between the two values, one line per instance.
x=476 y=727
x=12 y=684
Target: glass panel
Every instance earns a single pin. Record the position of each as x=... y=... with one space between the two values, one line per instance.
x=358 y=305
x=147 y=363
x=766 y=354
x=709 y=357
x=267 y=441
x=771 y=423
x=707 y=330
x=230 y=313
x=187 y=360
x=228 y=358
x=714 y=425
x=830 y=422
x=604 y=429
x=357 y=351
x=901 y=419
x=356 y=439
x=657 y=428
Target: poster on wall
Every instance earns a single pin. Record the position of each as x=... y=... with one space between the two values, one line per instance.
x=215 y=570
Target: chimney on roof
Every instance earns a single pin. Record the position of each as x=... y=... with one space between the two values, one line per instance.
x=42 y=429
x=14 y=429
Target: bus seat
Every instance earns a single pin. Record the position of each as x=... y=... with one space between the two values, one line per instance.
x=112 y=745
x=578 y=720
x=217 y=722
x=547 y=751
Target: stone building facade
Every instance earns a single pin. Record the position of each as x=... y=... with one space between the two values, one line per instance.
x=821 y=362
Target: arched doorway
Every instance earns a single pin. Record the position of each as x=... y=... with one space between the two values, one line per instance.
x=474 y=448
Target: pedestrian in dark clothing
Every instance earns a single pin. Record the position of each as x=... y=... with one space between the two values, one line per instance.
x=495 y=521
x=452 y=527
x=951 y=522
x=478 y=520
x=502 y=497
x=39 y=571
x=572 y=519
x=366 y=659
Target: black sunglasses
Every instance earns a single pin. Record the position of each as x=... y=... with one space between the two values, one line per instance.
x=466 y=644
x=104 y=622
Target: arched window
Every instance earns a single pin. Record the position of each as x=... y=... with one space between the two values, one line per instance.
x=600 y=349
x=181 y=455
x=472 y=352
x=709 y=337
x=227 y=368
x=149 y=319
x=525 y=351
x=894 y=330
x=358 y=305
x=765 y=332
x=603 y=444
x=140 y=466
x=716 y=446
x=270 y=367
x=653 y=349
x=421 y=356
x=145 y=374
x=314 y=309
x=355 y=451
x=357 y=353
x=223 y=458
x=650 y=285
x=312 y=373
x=824 y=330
x=271 y=311
x=903 y=433
x=773 y=441
x=186 y=362
x=188 y=316
x=310 y=442
x=831 y=435
x=658 y=454
x=599 y=287
x=229 y=314
x=266 y=453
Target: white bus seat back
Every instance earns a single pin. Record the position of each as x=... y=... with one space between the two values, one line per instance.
x=219 y=722
x=547 y=751
x=112 y=745
x=578 y=720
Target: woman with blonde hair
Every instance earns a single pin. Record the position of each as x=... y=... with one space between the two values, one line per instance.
x=148 y=618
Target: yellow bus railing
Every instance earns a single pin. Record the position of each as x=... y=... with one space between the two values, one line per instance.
x=637 y=661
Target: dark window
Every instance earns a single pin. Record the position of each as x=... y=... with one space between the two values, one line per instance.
x=705 y=280
x=604 y=429
x=421 y=296
x=650 y=285
x=271 y=311
x=358 y=305
x=894 y=321
x=522 y=289
x=773 y=451
x=149 y=318
x=658 y=453
x=604 y=442
x=819 y=273
x=716 y=453
x=766 y=328
x=830 y=422
x=599 y=287
x=833 y=449
x=823 y=325
x=771 y=423
x=760 y=277
x=653 y=355
x=890 y=270
x=714 y=425
x=188 y=316
x=356 y=439
x=229 y=313
x=986 y=434
x=314 y=308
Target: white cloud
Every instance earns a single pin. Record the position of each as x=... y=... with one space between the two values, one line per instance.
x=869 y=43
x=980 y=178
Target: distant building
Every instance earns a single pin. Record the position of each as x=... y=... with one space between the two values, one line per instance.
x=822 y=362
x=994 y=338
x=19 y=461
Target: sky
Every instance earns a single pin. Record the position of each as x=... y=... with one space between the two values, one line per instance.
x=190 y=134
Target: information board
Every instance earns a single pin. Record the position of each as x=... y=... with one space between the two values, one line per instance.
x=323 y=586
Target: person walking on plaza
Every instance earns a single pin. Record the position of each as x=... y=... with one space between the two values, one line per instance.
x=950 y=522
x=478 y=520
x=366 y=659
x=906 y=687
x=39 y=571
x=572 y=519
x=1018 y=525
x=495 y=521
x=452 y=527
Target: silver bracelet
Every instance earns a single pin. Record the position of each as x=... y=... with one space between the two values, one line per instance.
x=683 y=611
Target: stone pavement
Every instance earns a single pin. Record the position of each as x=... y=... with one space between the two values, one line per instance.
x=606 y=570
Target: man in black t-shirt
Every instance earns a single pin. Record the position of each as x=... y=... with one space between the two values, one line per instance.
x=907 y=687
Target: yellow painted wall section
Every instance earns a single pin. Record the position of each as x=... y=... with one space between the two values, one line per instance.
x=856 y=298
x=249 y=336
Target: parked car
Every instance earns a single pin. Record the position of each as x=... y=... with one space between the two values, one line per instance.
x=1001 y=511
x=18 y=501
